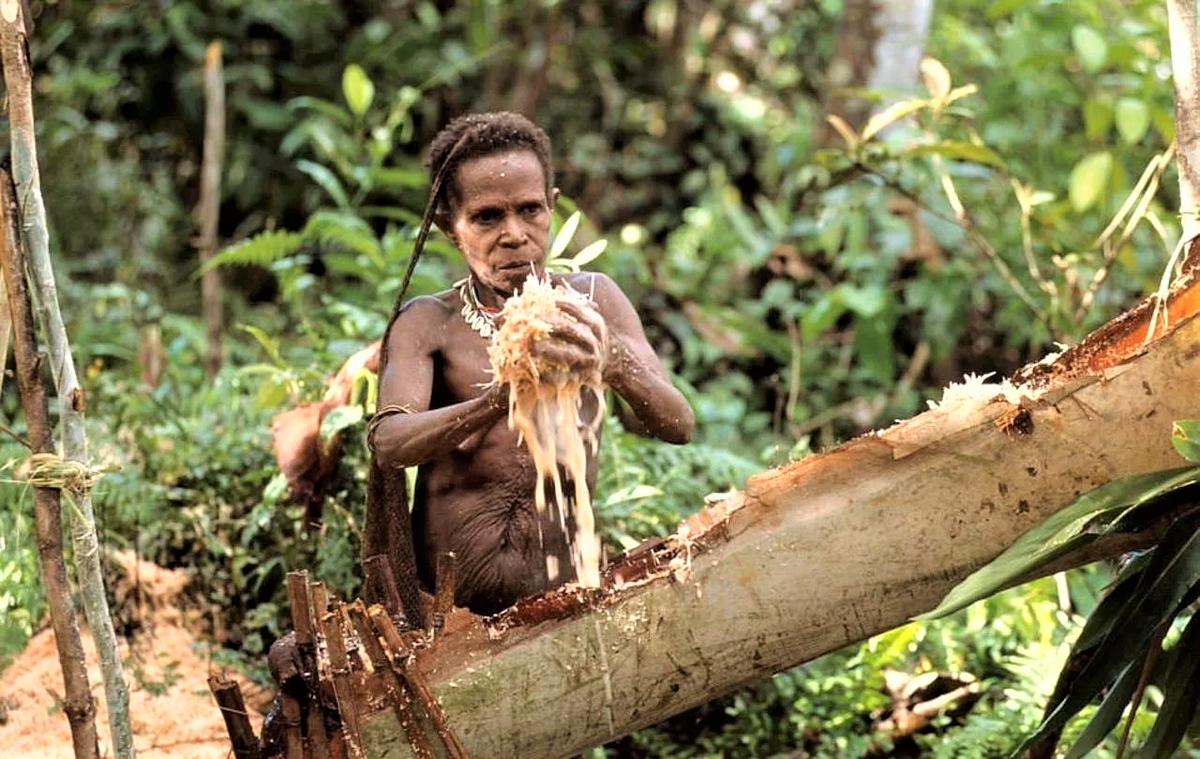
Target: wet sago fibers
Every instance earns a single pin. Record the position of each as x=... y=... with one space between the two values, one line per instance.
x=547 y=405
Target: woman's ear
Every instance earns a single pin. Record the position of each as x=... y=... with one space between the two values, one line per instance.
x=445 y=222
x=554 y=199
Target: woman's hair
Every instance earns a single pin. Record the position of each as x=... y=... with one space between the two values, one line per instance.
x=477 y=135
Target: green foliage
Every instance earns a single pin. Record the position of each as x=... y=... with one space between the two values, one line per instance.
x=801 y=289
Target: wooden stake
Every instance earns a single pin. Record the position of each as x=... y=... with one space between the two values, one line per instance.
x=392 y=685
x=417 y=684
x=78 y=705
x=209 y=208
x=293 y=741
x=444 y=600
x=237 y=722
x=343 y=686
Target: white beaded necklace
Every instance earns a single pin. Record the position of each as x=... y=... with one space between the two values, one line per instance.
x=473 y=312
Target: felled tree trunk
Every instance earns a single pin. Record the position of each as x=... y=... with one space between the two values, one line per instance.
x=812 y=556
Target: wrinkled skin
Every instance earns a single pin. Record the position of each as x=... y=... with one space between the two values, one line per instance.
x=475 y=482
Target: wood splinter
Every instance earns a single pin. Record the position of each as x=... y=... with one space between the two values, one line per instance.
x=444 y=599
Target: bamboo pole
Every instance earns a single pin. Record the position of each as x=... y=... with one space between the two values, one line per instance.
x=209 y=208
x=78 y=705
x=18 y=81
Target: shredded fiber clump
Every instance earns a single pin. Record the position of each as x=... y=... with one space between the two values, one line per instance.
x=546 y=400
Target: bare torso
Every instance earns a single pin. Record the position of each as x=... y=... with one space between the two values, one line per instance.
x=477 y=500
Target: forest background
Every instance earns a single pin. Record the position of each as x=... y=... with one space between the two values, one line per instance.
x=802 y=288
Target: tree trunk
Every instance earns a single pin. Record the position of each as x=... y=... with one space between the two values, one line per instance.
x=1185 y=68
x=18 y=82
x=879 y=45
x=816 y=555
x=47 y=509
x=209 y=209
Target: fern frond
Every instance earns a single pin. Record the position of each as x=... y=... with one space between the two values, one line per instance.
x=263 y=249
x=345 y=230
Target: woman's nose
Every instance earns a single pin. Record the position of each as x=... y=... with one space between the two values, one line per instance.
x=512 y=233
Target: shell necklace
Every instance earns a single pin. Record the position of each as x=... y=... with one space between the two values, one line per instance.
x=477 y=316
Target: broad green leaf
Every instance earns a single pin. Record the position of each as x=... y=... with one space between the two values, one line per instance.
x=338 y=419
x=1097 y=118
x=890 y=115
x=960 y=151
x=1063 y=531
x=874 y=349
x=1185 y=436
x=563 y=238
x=327 y=180
x=1089 y=180
x=358 y=89
x=867 y=302
x=821 y=315
x=1090 y=46
x=332 y=110
x=1108 y=715
x=1173 y=570
x=1181 y=699
x=1133 y=119
x=268 y=343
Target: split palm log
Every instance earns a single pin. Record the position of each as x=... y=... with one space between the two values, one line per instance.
x=815 y=555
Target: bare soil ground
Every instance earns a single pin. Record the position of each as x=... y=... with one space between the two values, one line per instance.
x=166 y=666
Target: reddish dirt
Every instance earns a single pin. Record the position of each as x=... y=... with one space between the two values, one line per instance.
x=166 y=667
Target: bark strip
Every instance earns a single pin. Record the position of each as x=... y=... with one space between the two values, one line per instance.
x=77 y=705
x=18 y=82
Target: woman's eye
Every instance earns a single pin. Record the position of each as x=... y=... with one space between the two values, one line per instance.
x=531 y=210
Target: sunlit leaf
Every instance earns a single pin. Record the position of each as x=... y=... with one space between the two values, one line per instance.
x=890 y=115
x=1133 y=119
x=1185 y=436
x=358 y=89
x=590 y=253
x=935 y=77
x=1090 y=47
x=563 y=238
x=1089 y=180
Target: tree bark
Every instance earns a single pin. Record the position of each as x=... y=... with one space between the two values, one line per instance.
x=1185 y=67
x=878 y=46
x=209 y=208
x=77 y=704
x=18 y=82
x=824 y=552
